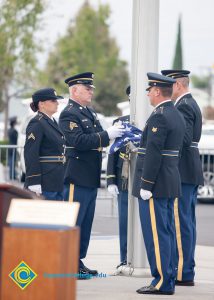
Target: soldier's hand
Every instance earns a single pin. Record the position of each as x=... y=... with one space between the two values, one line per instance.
x=36 y=188
x=113 y=190
x=115 y=131
x=145 y=195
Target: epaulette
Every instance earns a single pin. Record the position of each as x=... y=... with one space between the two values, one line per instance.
x=159 y=110
x=39 y=116
x=69 y=107
x=183 y=100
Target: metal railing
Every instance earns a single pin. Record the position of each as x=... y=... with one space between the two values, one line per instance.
x=12 y=168
x=11 y=163
x=207 y=160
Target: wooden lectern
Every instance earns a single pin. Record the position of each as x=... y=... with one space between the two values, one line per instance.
x=46 y=251
x=8 y=192
x=51 y=253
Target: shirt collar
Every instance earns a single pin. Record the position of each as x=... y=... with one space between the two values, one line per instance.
x=162 y=103
x=181 y=97
x=49 y=116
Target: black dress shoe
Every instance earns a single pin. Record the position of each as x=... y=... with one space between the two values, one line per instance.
x=83 y=274
x=89 y=271
x=152 y=290
x=185 y=282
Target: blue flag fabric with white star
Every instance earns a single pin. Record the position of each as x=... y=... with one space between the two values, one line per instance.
x=132 y=134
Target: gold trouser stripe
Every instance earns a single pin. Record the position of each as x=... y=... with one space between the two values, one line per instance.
x=179 y=242
x=156 y=242
x=71 y=193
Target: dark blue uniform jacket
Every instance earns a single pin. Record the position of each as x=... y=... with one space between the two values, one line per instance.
x=85 y=138
x=190 y=164
x=157 y=162
x=43 y=152
x=115 y=163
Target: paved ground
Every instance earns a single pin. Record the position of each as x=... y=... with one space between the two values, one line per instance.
x=103 y=255
x=106 y=220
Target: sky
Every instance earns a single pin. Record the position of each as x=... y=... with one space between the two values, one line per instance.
x=197 y=29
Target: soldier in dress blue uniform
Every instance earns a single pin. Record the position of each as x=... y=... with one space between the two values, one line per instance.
x=191 y=176
x=157 y=183
x=44 y=147
x=85 y=139
x=117 y=182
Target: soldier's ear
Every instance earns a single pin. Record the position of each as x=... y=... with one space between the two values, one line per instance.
x=157 y=91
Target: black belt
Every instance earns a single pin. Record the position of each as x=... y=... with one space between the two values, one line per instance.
x=100 y=149
x=142 y=151
x=52 y=159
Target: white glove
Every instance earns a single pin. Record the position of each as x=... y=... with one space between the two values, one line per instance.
x=36 y=188
x=115 y=131
x=113 y=190
x=145 y=195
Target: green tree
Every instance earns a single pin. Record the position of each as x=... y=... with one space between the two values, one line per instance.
x=18 y=22
x=88 y=46
x=201 y=82
x=178 y=58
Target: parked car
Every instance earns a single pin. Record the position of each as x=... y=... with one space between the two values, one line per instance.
x=206 y=148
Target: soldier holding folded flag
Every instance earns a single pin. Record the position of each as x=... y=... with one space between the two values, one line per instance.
x=85 y=139
x=117 y=177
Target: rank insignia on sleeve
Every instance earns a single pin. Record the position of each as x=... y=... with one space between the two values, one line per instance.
x=73 y=125
x=154 y=129
x=31 y=136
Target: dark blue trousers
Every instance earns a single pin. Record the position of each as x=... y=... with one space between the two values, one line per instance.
x=157 y=221
x=186 y=232
x=123 y=221
x=87 y=199
x=52 y=195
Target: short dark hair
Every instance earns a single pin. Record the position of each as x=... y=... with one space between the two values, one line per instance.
x=166 y=91
x=184 y=81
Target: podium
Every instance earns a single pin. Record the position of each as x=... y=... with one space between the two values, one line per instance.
x=52 y=254
x=8 y=192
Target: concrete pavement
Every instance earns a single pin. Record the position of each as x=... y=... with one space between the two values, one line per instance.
x=103 y=254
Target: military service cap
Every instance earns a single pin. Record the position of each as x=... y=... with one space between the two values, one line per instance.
x=175 y=73
x=128 y=90
x=158 y=80
x=82 y=78
x=43 y=95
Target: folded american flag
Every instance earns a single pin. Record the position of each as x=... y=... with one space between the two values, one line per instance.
x=132 y=134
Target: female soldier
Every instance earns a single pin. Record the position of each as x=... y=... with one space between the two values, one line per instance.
x=44 y=148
